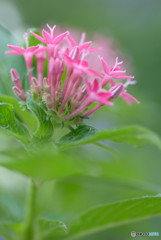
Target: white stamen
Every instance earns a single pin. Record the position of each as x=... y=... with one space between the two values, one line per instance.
x=116 y=64
x=84 y=54
x=129 y=82
x=83 y=36
x=26 y=37
x=51 y=30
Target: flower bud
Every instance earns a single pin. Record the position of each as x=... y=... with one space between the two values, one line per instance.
x=19 y=93
x=35 y=85
x=46 y=84
x=15 y=78
x=116 y=90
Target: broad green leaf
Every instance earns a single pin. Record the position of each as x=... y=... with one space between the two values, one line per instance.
x=8 y=61
x=23 y=114
x=73 y=195
x=45 y=127
x=10 y=124
x=48 y=229
x=135 y=135
x=78 y=134
x=114 y=214
x=46 y=164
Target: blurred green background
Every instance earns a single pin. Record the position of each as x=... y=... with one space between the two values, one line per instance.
x=136 y=26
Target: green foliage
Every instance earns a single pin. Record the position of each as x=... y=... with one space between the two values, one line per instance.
x=77 y=134
x=47 y=163
x=114 y=214
x=9 y=123
x=45 y=127
x=135 y=135
x=48 y=229
x=21 y=111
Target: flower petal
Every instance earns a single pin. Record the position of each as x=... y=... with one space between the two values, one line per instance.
x=85 y=45
x=72 y=41
x=17 y=49
x=47 y=36
x=12 y=53
x=95 y=85
x=60 y=37
x=38 y=37
x=105 y=65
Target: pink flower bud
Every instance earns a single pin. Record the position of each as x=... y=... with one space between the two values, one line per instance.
x=46 y=84
x=116 y=90
x=15 y=78
x=35 y=85
x=49 y=102
x=19 y=93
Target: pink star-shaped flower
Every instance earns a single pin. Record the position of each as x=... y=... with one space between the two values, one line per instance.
x=83 y=46
x=96 y=94
x=48 y=38
x=115 y=72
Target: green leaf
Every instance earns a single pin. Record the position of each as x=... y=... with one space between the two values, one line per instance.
x=8 y=61
x=48 y=229
x=114 y=214
x=45 y=127
x=79 y=193
x=23 y=114
x=6 y=233
x=10 y=124
x=45 y=163
x=78 y=134
x=135 y=135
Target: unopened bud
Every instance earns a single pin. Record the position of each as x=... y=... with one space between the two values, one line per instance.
x=35 y=85
x=15 y=78
x=49 y=102
x=116 y=90
x=46 y=84
x=19 y=93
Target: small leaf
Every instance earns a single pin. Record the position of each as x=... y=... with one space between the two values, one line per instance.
x=21 y=112
x=45 y=127
x=78 y=134
x=135 y=135
x=10 y=124
x=114 y=214
x=48 y=229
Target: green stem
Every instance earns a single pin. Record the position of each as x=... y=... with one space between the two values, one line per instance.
x=29 y=230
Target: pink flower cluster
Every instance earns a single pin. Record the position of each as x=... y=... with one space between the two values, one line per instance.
x=74 y=97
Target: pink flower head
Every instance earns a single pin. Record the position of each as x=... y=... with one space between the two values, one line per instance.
x=68 y=86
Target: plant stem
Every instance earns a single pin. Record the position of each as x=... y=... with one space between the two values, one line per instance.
x=29 y=230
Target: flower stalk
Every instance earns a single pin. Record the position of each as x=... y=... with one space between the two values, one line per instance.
x=31 y=209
